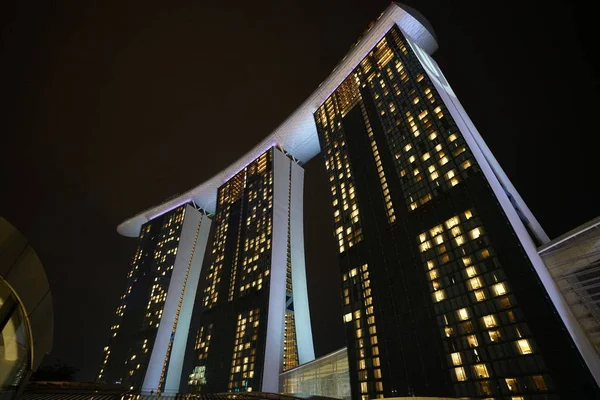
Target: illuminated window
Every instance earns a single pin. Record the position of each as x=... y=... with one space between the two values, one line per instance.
x=474 y=283
x=481 y=371
x=452 y=222
x=524 y=347
x=425 y=246
x=363 y=387
x=499 y=289
x=439 y=295
x=475 y=233
x=463 y=314
x=512 y=384
x=460 y=374
x=489 y=321
x=495 y=336
x=479 y=295
x=348 y=317
x=456 y=359
x=436 y=230
x=472 y=341
x=471 y=271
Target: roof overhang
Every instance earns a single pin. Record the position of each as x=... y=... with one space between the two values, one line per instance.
x=298 y=133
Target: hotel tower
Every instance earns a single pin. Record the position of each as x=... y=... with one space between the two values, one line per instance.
x=444 y=292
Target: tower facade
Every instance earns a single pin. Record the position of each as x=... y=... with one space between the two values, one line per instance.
x=253 y=310
x=444 y=291
x=148 y=338
x=441 y=284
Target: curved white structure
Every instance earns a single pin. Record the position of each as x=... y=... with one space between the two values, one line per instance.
x=298 y=134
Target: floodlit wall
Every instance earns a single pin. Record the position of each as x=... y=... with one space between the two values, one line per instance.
x=326 y=376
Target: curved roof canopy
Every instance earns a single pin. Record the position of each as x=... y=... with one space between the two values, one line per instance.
x=298 y=133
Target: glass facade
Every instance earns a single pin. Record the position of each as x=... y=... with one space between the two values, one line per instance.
x=326 y=376
x=440 y=299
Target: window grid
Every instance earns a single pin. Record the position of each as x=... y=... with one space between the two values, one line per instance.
x=347 y=225
x=359 y=311
x=478 y=316
x=244 y=352
x=430 y=154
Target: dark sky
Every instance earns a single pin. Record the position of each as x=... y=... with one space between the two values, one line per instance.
x=111 y=107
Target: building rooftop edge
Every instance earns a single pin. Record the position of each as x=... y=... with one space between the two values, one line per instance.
x=579 y=230
x=297 y=134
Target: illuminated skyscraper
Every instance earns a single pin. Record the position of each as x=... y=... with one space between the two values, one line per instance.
x=436 y=248
x=444 y=291
x=254 y=317
x=148 y=338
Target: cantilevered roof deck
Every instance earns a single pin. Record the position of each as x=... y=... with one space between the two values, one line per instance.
x=298 y=133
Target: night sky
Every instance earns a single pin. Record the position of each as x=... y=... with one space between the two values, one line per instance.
x=111 y=107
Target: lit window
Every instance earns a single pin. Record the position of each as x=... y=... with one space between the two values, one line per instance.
x=474 y=283
x=436 y=230
x=460 y=374
x=499 y=289
x=475 y=233
x=489 y=321
x=456 y=359
x=495 y=336
x=452 y=222
x=479 y=295
x=512 y=384
x=481 y=371
x=466 y=261
x=439 y=295
x=422 y=237
x=468 y=214
x=472 y=341
x=448 y=331
x=471 y=271
x=425 y=246
x=524 y=347
x=433 y=274
x=348 y=317
x=463 y=314
x=377 y=374
x=430 y=264
x=485 y=253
